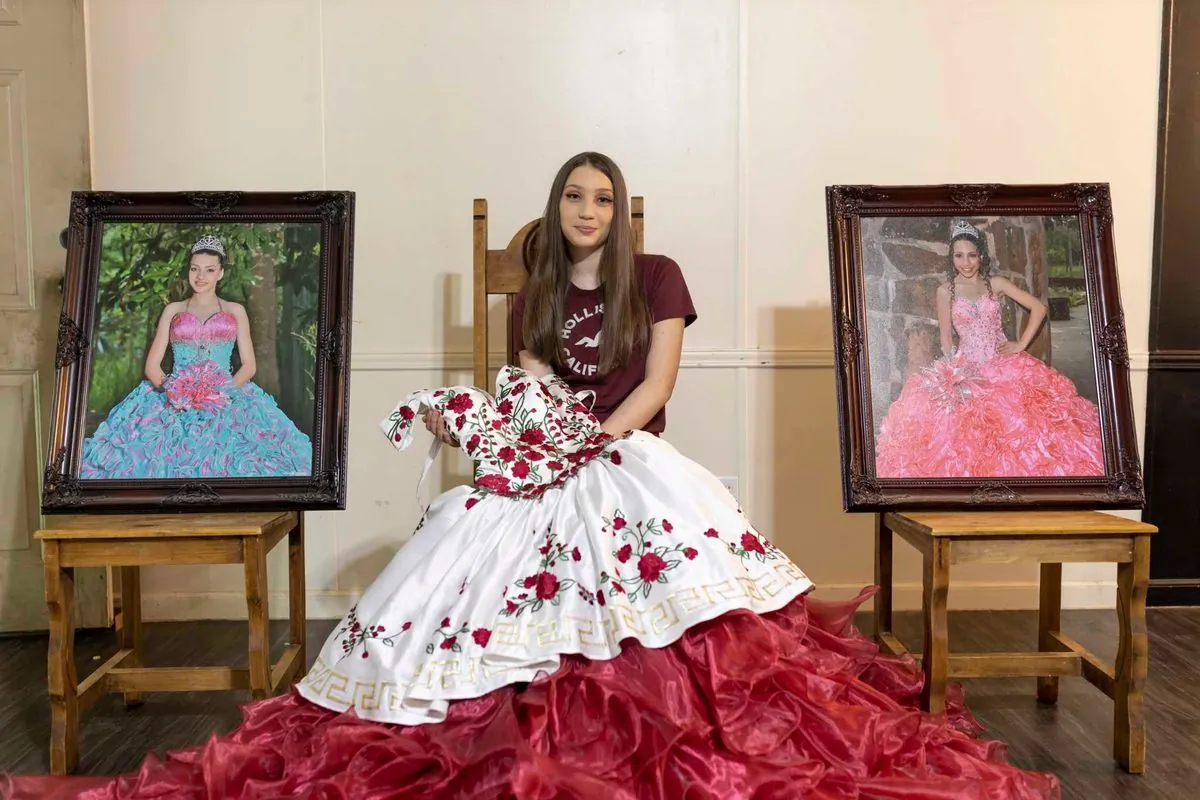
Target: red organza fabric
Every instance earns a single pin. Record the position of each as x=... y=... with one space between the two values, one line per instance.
x=791 y=704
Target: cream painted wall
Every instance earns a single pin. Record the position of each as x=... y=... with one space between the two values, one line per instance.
x=729 y=118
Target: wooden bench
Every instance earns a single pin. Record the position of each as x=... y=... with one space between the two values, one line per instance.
x=1050 y=538
x=130 y=542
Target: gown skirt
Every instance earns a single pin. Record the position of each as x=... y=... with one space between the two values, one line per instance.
x=601 y=622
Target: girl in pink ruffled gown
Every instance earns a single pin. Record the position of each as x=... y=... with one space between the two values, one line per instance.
x=989 y=409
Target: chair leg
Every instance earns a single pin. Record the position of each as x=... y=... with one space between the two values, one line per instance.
x=1129 y=723
x=62 y=679
x=935 y=660
x=258 y=616
x=130 y=635
x=1049 y=621
x=297 y=613
x=883 y=579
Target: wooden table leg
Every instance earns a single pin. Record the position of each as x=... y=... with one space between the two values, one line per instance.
x=1129 y=723
x=935 y=661
x=63 y=682
x=297 y=613
x=130 y=636
x=258 y=616
x=883 y=579
x=1049 y=622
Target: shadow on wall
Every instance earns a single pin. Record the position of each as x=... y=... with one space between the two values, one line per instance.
x=800 y=434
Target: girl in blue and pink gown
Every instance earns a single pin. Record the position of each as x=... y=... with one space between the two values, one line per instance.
x=202 y=420
x=987 y=409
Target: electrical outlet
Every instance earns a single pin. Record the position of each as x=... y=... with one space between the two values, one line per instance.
x=730 y=482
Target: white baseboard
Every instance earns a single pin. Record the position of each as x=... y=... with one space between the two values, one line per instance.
x=906 y=597
x=1076 y=595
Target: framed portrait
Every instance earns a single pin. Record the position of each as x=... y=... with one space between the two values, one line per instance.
x=202 y=361
x=980 y=348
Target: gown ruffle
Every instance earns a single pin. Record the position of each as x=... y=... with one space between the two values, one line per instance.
x=594 y=617
x=790 y=704
x=980 y=414
x=199 y=425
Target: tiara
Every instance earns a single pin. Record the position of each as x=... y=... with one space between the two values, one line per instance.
x=961 y=226
x=209 y=242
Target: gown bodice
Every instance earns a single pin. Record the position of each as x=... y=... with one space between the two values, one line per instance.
x=980 y=327
x=194 y=340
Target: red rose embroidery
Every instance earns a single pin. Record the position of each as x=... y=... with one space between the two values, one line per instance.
x=547 y=585
x=482 y=636
x=460 y=403
x=751 y=543
x=532 y=436
x=650 y=566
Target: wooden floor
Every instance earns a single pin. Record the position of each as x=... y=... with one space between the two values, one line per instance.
x=1072 y=739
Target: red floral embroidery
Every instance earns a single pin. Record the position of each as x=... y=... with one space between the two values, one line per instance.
x=653 y=561
x=543 y=586
x=753 y=546
x=533 y=437
x=357 y=635
x=449 y=637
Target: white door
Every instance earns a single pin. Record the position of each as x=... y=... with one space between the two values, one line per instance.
x=43 y=157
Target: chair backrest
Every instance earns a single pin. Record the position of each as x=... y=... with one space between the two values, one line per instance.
x=504 y=272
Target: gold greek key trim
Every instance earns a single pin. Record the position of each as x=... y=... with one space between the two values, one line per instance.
x=438 y=680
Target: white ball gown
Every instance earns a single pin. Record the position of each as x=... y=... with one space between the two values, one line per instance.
x=592 y=617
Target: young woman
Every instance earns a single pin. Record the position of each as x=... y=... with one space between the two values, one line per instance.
x=987 y=408
x=202 y=420
x=593 y=616
x=602 y=317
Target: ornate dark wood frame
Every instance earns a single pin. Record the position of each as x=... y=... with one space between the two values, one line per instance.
x=1120 y=488
x=325 y=489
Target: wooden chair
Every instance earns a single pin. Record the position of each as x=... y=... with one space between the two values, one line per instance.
x=129 y=542
x=504 y=272
x=1049 y=538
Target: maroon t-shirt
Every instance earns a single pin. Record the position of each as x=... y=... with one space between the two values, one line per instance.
x=666 y=293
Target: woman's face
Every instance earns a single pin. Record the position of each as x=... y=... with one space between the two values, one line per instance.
x=203 y=272
x=965 y=257
x=586 y=209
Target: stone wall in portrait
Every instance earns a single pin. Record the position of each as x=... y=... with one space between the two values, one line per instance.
x=905 y=260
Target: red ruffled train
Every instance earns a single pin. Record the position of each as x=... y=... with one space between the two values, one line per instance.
x=792 y=704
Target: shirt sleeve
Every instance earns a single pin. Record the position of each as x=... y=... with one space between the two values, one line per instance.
x=667 y=293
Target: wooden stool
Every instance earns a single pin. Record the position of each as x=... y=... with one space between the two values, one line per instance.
x=1050 y=538
x=130 y=542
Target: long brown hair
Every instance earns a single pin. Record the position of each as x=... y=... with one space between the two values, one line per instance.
x=626 y=323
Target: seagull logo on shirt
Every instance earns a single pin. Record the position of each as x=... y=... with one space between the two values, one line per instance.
x=589 y=341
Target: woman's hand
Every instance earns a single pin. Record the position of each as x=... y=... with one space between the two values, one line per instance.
x=1010 y=348
x=437 y=426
